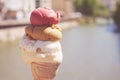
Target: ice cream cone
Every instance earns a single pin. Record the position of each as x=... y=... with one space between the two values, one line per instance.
x=41 y=44
x=44 y=62
x=44 y=71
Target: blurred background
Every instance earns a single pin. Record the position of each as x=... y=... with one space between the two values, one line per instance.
x=90 y=43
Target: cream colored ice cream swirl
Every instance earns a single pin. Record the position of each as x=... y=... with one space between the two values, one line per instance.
x=41 y=51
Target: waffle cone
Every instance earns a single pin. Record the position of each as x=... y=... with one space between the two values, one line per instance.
x=44 y=71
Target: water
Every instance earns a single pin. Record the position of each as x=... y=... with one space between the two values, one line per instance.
x=90 y=53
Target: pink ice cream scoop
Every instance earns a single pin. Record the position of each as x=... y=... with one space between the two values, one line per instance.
x=44 y=16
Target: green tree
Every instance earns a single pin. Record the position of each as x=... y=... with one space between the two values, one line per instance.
x=116 y=15
x=91 y=7
x=87 y=7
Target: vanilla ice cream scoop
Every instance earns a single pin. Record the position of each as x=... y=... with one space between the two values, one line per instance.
x=41 y=51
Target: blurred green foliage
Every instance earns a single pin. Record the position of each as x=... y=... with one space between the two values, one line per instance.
x=116 y=15
x=91 y=8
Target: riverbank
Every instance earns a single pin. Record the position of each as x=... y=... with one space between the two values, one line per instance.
x=95 y=21
x=15 y=33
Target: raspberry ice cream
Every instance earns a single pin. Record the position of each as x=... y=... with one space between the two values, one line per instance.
x=44 y=16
